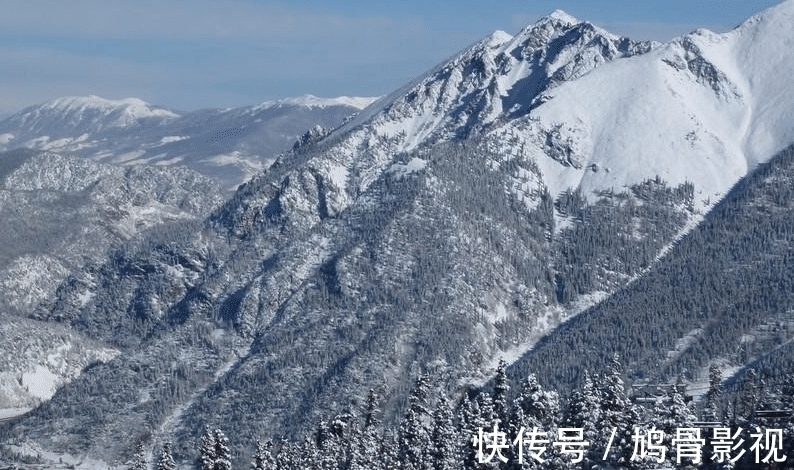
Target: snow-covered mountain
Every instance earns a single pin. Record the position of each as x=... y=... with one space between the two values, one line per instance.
x=89 y=114
x=227 y=144
x=705 y=108
x=456 y=221
x=59 y=215
x=497 y=79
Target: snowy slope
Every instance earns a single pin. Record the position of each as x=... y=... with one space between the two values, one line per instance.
x=377 y=250
x=60 y=213
x=704 y=108
x=68 y=118
x=311 y=101
x=499 y=79
x=592 y=110
x=229 y=145
x=40 y=357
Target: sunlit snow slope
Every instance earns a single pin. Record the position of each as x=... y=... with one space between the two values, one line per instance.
x=704 y=108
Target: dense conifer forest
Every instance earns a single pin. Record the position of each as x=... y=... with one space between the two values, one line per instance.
x=514 y=426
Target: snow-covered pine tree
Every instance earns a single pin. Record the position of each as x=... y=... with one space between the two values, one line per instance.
x=371 y=412
x=223 y=454
x=444 y=438
x=485 y=407
x=328 y=449
x=487 y=419
x=207 y=450
x=289 y=457
x=388 y=456
x=672 y=414
x=368 y=444
x=749 y=398
x=139 y=460
x=359 y=454
x=533 y=408
x=414 y=437
x=584 y=412
x=293 y=456
x=538 y=407
x=347 y=440
x=618 y=415
x=166 y=461
x=713 y=410
x=264 y=459
x=500 y=394
x=676 y=414
x=471 y=421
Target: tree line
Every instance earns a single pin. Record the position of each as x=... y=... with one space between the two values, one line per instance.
x=491 y=430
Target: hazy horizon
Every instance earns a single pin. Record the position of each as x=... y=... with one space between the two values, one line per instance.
x=188 y=56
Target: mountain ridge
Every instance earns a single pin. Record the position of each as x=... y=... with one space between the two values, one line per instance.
x=229 y=145
x=436 y=231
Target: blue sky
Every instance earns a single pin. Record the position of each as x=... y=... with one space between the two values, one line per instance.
x=209 y=53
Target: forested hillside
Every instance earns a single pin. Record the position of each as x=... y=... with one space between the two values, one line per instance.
x=723 y=295
x=546 y=198
x=522 y=425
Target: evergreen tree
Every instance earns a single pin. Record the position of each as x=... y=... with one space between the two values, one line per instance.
x=139 y=460
x=618 y=415
x=291 y=456
x=414 y=436
x=713 y=410
x=500 y=394
x=537 y=407
x=486 y=420
x=584 y=412
x=166 y=461
x=444 y=438
x=263 y=459
x=750 y=397
x=672 y=413
x=369 y=442
x=485 y=406
x=327 y=445
x=223 y=455
x=389 y=456
x=371 y=412
x=676 y=413
x=471 y=422
x=533 y=408
x=299 y=457
x=359 y=455
x=207 y=450
x=348 y=438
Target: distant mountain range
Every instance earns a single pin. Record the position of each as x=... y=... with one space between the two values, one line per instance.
x=507 y=204
x=229 y=145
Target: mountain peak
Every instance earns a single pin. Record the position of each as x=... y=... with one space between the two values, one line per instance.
x=136 y=105
x=499 y=77
x=562 y=17
x=498 y=37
